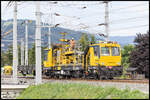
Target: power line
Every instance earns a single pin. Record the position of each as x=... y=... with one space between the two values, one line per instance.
x=69 y=5
x=5 y=10
x=129 y=22
x=22 y=7
x=113 y=10
x=110 y=12
x=143 y=10
x=131 y=18
x=131 y=27
x=139 y=26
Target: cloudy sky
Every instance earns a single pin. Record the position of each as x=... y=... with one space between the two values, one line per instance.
x=125 y=17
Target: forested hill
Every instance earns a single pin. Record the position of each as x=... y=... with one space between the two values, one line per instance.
x=7 y=25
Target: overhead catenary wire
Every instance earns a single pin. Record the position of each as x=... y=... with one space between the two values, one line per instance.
x=130 y=6
x=114 y=10
x=138 y=26
x=128 y=19
x=125 y=19
x=114 y=21
x=70 y=4
x=120 y=20
x=7 y=8
x=95 y=4
x=103 y=12
x=21 y=8
x=67 y=17
x=130 y=27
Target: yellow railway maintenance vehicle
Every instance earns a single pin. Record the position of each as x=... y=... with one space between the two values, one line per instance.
x=99 y=61
x=8 y=70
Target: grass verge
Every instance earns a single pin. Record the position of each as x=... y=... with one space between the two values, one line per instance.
x=78 y=91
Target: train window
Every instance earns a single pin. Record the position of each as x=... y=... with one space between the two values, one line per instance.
x=105 y=51
x=115 y=51
x=45 y=54
x=96 y=51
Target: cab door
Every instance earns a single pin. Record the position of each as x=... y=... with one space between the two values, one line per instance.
x=95 y=55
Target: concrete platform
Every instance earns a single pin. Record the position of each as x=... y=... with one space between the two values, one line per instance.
x=11 y=91
x=14 y=86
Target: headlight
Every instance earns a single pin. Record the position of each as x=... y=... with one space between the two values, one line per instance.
x=118 y=63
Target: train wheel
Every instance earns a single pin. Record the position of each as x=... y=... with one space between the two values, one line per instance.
x=68 y=77
x=57 y=76
x=102 y=76
x=95 y=77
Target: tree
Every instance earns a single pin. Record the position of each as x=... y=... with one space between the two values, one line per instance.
x=42 y=52
x=84 y=41
x=87 y=42
x=32 y=55
x=3 y=58
x=140 y=56
x=126 y=51
x=7 y=58
x=19 y=55
x=9 y=55
x=93 y=39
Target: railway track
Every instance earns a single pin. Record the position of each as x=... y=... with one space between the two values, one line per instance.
x=144 y=81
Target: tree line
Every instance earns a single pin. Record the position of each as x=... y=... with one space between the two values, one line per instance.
x=137 y=56
x=7 y=56
x=140 y=56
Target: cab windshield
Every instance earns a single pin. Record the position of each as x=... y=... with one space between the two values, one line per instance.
x=115 y=51
x=105 y=51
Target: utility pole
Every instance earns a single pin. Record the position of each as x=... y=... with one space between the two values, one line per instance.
x=22 y=51
x=15 y=49
x=49 y=38
x=106 y=20
x=38 y=78
x=26 y=46
x=49 y=34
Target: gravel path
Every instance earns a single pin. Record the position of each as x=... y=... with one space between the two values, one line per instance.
x=142 y=87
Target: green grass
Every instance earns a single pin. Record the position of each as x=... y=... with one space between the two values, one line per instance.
x=19 y=74
x=78 y=91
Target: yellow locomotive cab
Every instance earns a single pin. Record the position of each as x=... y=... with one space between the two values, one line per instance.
x=104 y=54
x=110 y=55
